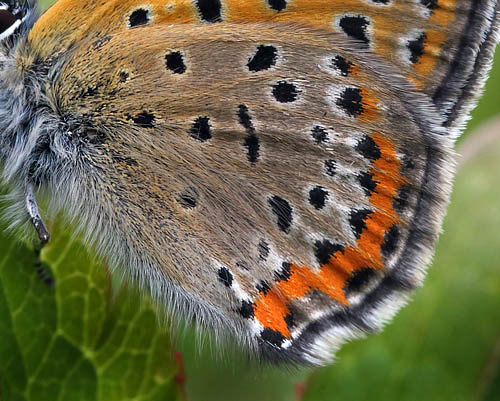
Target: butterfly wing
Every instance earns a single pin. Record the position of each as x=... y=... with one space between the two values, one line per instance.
x=443 y=46
x=280 y=182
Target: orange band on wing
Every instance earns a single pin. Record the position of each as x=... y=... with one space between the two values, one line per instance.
x=271 y=308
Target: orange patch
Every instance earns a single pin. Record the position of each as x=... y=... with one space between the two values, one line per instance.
x=370 y=108
x=271 y=308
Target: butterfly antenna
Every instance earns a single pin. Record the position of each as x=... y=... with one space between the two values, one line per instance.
x=35 y=217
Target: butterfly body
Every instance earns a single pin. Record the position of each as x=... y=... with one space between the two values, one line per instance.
x=259 y=166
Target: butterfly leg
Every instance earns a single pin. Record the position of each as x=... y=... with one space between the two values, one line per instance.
x=35 y=217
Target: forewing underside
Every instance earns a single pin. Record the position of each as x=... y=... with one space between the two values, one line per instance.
x=295 y=177
x=443 y=46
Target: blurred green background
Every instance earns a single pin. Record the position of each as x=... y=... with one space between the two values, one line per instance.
x=444 y=346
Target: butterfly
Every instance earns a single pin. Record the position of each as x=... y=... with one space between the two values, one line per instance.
x=273 y=170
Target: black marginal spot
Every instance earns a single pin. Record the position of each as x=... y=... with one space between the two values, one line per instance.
x=324 y=250
x=263 y=287
x=210 y=10
x=430 y=4
x=285 y=92
x=342 y=65
x=201 y=129
x=391 y=239
x=381 y=1
x=357 y=220
x=317 y=197
x=401 y=201
x=330 y=167
x=359 y=279
x=251 y=141
x=283 y=211
x=416 y=47
x=277 y=5
x=264 y=59
x=319 y=134
x=351 y=101
x=246 y=310
x=368 y=148
x=355 y=27
x=144 y=119
x=139 y=17
x=225 y=276
x=175 y=63
x=273 y=337
x=367 y=182
x=284 y=273
x=189 y=198
x=264 y=250
x=290 y=320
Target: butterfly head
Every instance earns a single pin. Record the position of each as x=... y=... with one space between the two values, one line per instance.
x=27 y=127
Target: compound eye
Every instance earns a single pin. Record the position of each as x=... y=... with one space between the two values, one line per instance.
x=8 y=23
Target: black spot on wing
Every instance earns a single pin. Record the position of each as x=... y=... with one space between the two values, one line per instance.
x=368 y=148
x=264 y=59
x=263 y=287
x=264 y=250
x=283 y=211
x=285 y=92
x=284 y=273
x=251 y=142
x=355 y=26
x=210 y=10
x=272 y=336
x=342 y=65
x=201 y=129
x=351 y=102
x=277 y=5
x=416 y=47
x=253 y=146
x=324 y=250
x=391 y=239
x=290 y=320
x=317 y=197
x=430 y=4
x=367 y=182
x=330 y=167
x=246 y=310
x=319 y=134
x=401 y=201
x=359 y=280
x=357 y=220
x=139 y=17
x=225 y=276
x=175 y=62
x=144 y=119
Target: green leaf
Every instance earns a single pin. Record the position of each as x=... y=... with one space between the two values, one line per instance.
x=76 y=340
